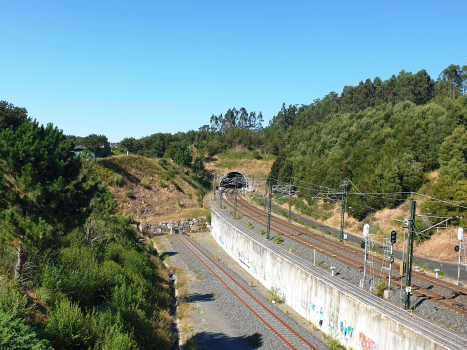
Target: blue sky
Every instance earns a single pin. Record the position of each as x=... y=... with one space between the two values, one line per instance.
x=131 y=69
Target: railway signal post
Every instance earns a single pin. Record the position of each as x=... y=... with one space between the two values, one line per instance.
x=408 y=266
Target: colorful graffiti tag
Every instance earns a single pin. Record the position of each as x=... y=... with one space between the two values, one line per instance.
x=333 y=324
x=347 y=330
x=367 y=343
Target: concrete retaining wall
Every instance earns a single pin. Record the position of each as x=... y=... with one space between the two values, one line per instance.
x=358 y=319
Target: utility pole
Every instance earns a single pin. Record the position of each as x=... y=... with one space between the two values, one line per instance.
x=268 y=234
x=408 y=266
x=290 y=201
x=344 y=184
x=265 y=191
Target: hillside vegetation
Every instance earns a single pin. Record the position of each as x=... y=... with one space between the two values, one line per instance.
x=73 y=274
x=151 y=189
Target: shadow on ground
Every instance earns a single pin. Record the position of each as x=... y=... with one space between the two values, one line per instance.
x=208 y=340
x=196 y=297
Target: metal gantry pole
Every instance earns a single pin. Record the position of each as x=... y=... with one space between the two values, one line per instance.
x=344 y=184
x=290 y=201
x=268 y=232
x=408 y=269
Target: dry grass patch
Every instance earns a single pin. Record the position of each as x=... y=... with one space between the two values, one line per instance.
x=156 y=194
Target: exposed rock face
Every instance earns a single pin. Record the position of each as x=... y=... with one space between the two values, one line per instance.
x=192 y=225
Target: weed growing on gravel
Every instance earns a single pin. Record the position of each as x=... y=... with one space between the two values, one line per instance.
x=238 y=217
x=279 y=239
x=380 y=287
x=275 y=294
x=217 y=257
x=250 y=225
x=251 y=283
x=334 y=344
x=314 y=327
x=262 y=232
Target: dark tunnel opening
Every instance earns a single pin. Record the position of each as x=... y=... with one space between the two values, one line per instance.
x=234 y=179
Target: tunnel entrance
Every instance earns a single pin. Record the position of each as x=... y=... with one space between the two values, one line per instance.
x=234 y=177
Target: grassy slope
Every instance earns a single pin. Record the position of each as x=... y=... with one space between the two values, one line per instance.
x=240 y=160
x=159 y=201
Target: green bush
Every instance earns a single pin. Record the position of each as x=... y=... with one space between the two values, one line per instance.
x=380 y=287
x=279 y=239
x=15 y=335
x=189 y=195
x=209 y=217
x=145 y=184
x=162 y=162
x=68 y=326
x=12 y=301
x=255 y=155
x=334 y=344
x=276 y=295
x=129 y=194
x=161 y=183
x=199 y=200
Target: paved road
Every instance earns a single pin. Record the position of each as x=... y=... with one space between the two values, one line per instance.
x=449 y=269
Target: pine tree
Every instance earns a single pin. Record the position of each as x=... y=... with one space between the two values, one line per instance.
x=43 y=193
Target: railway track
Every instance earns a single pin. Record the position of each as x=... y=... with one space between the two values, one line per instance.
x=332 y=249
x=440 y=335
x=286 y=333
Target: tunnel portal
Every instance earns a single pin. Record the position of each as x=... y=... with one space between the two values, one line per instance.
x=234 y=179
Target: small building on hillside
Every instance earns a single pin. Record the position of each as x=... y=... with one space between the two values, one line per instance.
x=104 y=152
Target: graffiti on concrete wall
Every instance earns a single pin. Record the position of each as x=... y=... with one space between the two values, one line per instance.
x=346 y=330
x=366 y=343
x=244 y=260
x=333 y=324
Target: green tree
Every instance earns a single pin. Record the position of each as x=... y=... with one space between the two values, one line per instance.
x=173 y=148
x=11 y=115
x=198 y=165
x=94 y=142
x=38 y=176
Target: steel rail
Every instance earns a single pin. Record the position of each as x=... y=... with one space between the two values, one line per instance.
x=419 y=325
x=243 y=301
x=445 y=301
x=447 y=285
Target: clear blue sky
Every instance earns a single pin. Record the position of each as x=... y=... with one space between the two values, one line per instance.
x=134 y=68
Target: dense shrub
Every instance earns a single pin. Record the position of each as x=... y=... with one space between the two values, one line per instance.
x=15 y=335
